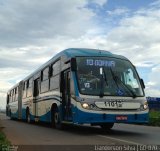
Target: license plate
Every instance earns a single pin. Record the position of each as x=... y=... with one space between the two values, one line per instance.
x=117 y=104
x=113 y=104
x=121 y=118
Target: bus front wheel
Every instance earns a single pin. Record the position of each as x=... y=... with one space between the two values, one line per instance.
x=107 y=126
x=56 y=121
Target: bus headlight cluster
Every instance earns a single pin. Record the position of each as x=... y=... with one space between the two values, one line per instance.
x=85 y=105
x=89 y=106
x=145 y=105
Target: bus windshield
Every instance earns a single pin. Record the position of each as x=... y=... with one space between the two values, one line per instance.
x=106 y=76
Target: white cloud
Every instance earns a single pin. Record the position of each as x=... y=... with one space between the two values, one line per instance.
x=152 y=92
x=99 y=2
x=154 y=75
x=26 y=22
x=150 y=84
x=118 y=11
x=5 y=85
x=153 y=85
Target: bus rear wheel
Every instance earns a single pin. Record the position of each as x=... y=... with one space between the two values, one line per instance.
x=28 y=118
x=10 y=115
x=107 y=126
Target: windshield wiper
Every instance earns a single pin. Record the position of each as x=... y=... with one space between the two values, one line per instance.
x=115 y=78
x=103 y=78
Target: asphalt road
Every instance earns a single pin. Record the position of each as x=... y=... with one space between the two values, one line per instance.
x=21 y=133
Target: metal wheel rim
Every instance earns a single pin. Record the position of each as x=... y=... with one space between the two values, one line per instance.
x=28 y=118
x=56 y=117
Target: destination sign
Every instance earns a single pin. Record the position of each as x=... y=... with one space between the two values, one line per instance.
x=100 y=63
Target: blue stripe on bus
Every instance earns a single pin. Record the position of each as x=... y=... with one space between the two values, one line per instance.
x=46 y=117
x=14 y=115
x=23 y=114
x=85 y=117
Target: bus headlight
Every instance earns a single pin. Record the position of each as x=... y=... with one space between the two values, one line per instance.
x=145 y=105
x=89 y=106
x=85 y=105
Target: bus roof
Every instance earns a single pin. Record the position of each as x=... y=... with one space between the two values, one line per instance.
x=79 y=52
x=73 y=52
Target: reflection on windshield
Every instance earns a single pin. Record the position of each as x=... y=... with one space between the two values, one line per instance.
x=91 y=81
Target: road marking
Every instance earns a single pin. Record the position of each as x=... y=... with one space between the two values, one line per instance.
x=121 y=140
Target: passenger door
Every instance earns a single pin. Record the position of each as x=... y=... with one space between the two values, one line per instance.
x=36 y=95
x=66 y=96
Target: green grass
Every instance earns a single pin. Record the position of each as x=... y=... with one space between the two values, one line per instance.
x=3 y=139
x=154 y=118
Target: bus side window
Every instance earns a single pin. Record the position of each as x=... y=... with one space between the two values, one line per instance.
x=29 y=87
x=45 y=80
x=45 y=74
x=13 y=96
x=56 y=68
x=8 y=98
x=24 y=89
x=54 y=80
x=17 y=94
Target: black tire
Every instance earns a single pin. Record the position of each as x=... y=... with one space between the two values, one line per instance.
x=10 y=115
x=56 y=120
x=28 y=117
x=107 y=126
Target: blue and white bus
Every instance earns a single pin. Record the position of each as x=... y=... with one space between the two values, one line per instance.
x=81 y=86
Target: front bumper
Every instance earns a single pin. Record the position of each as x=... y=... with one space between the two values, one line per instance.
x=91 y=118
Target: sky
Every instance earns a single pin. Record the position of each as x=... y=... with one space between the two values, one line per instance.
x=31 y=32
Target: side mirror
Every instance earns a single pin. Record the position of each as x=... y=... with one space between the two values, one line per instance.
x=142 y=83
x=73 y=64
